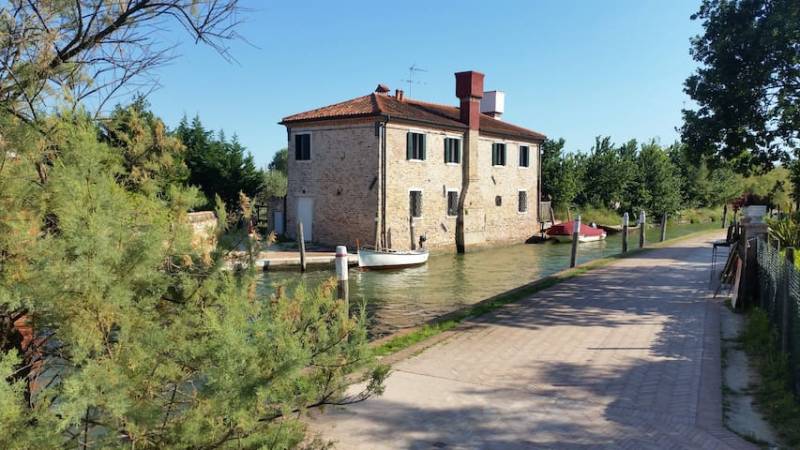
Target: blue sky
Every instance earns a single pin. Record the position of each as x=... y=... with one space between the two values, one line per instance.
x=571 y=69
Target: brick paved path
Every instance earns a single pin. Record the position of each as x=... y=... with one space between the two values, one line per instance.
x=623 y=357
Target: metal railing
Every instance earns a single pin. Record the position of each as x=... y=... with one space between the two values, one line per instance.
x=779 y=296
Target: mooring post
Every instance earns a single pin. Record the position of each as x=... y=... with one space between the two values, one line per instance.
x=663 y=228
x=786 y=310
x=342 y=287
x=576 y=233
x=642 y=223
x=301 y=240
x=625 y=233
x=411 y=231
x=725 y=216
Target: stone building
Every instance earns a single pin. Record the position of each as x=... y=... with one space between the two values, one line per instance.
x=385 y=168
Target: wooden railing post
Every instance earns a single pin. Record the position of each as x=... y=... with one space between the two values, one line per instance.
x=342 y=287
x=576 y=234
x=786 y=299
x=625 y=233
x=725 y=216
x=302 y=242
x=642 y=223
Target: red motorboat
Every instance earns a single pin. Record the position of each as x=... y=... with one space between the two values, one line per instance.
x=562 y=232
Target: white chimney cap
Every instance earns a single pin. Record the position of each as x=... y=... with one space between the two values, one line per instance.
x=493 y=103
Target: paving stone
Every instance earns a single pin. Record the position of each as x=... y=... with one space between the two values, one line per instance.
x=627 y=356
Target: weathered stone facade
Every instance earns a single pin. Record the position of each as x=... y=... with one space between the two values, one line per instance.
x=342 y=179
x=434 y=178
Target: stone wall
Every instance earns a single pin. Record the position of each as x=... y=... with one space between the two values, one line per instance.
x=432 y=176
x=501 y=223
x=341 y=179
x=204 y=225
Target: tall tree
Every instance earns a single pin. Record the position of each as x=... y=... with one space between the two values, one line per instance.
x=280 y=161
x=53 y=52
x=609 y=171
x=660 y=180
x=562 y=174
x=118 y=332
x=216 y=165
x=748 y=84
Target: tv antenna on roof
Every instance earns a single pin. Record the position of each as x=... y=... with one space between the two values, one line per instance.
x=411 y=75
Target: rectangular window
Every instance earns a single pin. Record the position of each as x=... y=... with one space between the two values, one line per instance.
x=452 y=203
x=523 y=202
x=302 y=147
x=452 y=150
x=415 y=146
x=498 y=154
x=415 y=203
x=524 y=156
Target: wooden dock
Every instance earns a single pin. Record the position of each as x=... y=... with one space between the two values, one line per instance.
x=290 y=260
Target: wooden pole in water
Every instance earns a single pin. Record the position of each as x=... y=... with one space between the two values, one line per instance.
x=785 y=298
x=576 y=227
x=411 y=231
x=301 y=240
x=725 y=216
x=625 y=233
x=342 y=285
x=642 y=223
x=664 y=228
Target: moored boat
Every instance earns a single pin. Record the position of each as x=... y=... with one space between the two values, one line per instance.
x=562 y=232
x=391 y=259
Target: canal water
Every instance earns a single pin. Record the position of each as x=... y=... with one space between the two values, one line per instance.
x=404 y=298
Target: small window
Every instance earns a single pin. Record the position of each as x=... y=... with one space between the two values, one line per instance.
x=498 y=201
x=452 y=203
x=498 y=154
x=302 y=147
x=452 y=150
x=524 y=156
x=415 y=203
x=415 y=146
x=523 y=202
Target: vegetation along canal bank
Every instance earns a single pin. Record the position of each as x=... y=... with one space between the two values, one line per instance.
x=398 y=300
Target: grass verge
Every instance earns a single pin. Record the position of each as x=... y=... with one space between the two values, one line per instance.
x=395 y=343
x=774 y=394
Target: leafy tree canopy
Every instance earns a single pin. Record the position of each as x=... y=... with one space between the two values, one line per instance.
x=748 y=86
x=280 y=161
x=118 y=332
x=218 y=166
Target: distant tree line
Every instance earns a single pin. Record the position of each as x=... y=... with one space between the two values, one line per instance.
x=633 y=177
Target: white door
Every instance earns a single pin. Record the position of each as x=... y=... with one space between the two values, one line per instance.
x=305 y=215
x=277 y=222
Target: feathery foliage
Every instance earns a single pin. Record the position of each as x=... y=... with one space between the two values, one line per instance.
x=117 y=331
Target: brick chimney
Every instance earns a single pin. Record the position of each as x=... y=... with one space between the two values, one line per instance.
x=469 y=89
x=471 y=218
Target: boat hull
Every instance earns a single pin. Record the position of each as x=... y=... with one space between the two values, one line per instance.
x=371 y=259
x=568 y=238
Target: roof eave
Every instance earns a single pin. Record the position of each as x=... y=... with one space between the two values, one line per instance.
x=514 y=136
x=287 y=121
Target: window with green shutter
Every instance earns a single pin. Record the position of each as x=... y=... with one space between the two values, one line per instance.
x=415 y=146
x=498 y=154
x=452 y=150
x=452 y=203
x=415 y=203
x=524 y=156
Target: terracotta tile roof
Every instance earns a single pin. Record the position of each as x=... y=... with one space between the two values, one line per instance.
x=376 y=104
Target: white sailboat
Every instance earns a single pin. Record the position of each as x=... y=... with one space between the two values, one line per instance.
x=391 y=259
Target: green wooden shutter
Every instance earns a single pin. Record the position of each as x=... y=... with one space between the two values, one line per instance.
x=409 y=145
x=422 y=150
